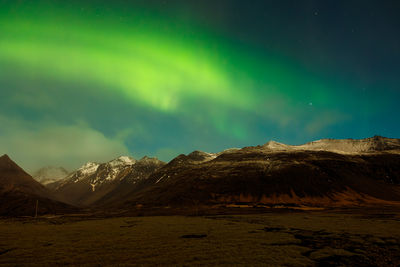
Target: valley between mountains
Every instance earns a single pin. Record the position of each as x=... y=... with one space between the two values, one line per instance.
x=326 y=173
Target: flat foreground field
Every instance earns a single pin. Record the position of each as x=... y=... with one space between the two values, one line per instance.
x=308 y=238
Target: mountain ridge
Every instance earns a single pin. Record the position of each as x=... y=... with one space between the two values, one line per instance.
x=366 y=145
x=333 y=172
x=93 y=181
x=326 y=172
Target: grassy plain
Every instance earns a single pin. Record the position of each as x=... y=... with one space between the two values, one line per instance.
x=289 y=238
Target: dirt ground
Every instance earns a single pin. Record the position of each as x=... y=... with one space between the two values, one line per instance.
x=289 y=238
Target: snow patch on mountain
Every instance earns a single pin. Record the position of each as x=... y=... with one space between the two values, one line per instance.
x=88 y=168
x=122 y=161
x=49 y=174
x=344 y=146
x=96 y=174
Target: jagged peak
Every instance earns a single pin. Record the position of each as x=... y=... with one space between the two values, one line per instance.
x=126 y=160
x=89 y=168
x=89 y=164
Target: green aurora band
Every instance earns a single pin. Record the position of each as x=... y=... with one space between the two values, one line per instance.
x=140 y=60
x=173 y=65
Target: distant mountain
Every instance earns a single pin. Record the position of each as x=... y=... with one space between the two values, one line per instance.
x=95 y=181
x=322 y=173
x=348 y=146
x=19 y=192
x=49 y=174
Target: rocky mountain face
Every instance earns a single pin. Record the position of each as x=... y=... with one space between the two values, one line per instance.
x=14 y=178
x=95 y=181
x=19 y=192
x=138 y=172
x=347 y=146
x=322 y=173
x=50 y=174
x=326 y=173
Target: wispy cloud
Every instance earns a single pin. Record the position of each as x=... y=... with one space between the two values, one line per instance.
x=48 y=143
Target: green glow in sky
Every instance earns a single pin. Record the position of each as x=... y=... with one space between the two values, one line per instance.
x=162 y=68
x=151 y=66
x=148 y=67
x=166 y=81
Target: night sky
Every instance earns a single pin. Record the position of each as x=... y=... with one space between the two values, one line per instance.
x=91 y=80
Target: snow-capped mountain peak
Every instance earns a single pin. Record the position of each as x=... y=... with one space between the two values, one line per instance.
x=49 y=174
x=98 y=173
x=93 y=180
x=122 y=161
x=88 y=168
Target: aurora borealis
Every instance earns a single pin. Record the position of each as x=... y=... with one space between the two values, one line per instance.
x=90 y=80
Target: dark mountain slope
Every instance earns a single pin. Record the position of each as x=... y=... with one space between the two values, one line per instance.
x=19 y=192
x=100 y=183
x=267 y=176
x=137 y=174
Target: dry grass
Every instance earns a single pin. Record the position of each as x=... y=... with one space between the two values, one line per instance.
x=289 y=239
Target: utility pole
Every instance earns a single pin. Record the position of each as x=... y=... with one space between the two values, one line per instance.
x=37 y=204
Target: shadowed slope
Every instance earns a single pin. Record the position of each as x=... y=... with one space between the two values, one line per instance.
x=19 y=192
x=259 y=175
x=138 y=173
x=98 y=183
x=14 y=178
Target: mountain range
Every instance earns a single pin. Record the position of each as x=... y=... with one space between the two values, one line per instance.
x=323 y=173
x=95 y=181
